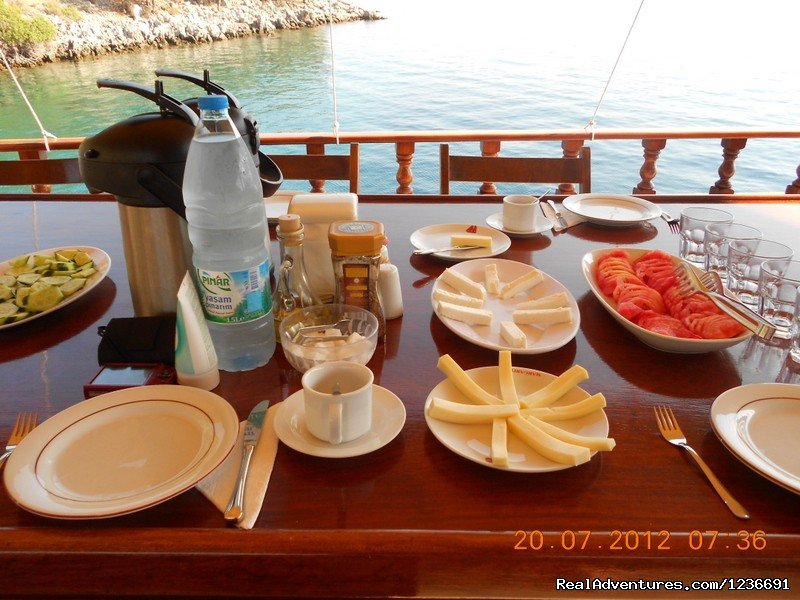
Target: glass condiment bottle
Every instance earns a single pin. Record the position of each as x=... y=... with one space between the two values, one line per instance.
x=356 y=255
x=292 y=290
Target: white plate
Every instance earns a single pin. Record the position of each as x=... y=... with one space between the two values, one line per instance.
x=474 y=441
x=658 y=341
x=388 y=418
x=121 y=452
x=612 y=209
x=438 y=236
x=759 y=424
x=496 y=222
x=539 y=339
x=102 y=263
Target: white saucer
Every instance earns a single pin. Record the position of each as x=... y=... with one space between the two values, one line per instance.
x=496 y=221
x=388 y=418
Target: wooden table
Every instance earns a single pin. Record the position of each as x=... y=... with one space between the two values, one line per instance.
x=413 y=519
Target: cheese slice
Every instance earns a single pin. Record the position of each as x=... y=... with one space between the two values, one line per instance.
x=512 y=334
x=499 y=454
x=552 y=301
x=463 y=284
x=568 y=411
x=468 y=414
x=465 y=314
x=542 y=316
x=547 y=445
x=508 y=389
x=492 y=280
x=557 y=388
x=441 y=295
x=465 y=384
x=603 y=444
x=471 y=239
x=521 y=284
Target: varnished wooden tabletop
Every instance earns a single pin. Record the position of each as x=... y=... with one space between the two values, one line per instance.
x=414 y=519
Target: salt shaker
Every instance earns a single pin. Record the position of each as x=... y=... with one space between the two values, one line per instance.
x=356 y=255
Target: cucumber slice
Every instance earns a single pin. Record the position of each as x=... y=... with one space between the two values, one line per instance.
x=42 y=259
x=14 y=318
x=22 y=296
x=62 y=266
x=19 y=270
x=85 y=272
x=56 y=279
x=8 y=280
x=39 y=285
x=7 y=309
x=72 y=286
x=19 y=261
x=66 y=253
x=81 y=258
x=44 y=299
x=28 y=278
x=6 y=293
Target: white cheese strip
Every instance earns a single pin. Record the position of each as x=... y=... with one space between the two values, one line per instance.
x=508 y=389
x=468 y=414
x=492 y=279
x=568 y=411
x=521 y=284
x=465 y=384
x=470 y=239
x=552 y=301
x=512 y=334
x=441 y=295
x=546 y=445
x=463 y=284
x=556 y=388
x=544 y=316
x=603 y=444
x=465 y=314
x=499 y=443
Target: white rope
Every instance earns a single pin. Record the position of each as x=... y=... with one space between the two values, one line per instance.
x=591 y=124
x=333 y=73
x=45 y=134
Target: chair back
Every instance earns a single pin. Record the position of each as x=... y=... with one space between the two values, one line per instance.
x=318 y=168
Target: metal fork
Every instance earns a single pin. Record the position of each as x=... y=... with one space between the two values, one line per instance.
x=24 y=425
x=671 y=432
x=674 y=224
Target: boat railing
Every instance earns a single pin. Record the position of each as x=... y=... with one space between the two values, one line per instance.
x=487 y=143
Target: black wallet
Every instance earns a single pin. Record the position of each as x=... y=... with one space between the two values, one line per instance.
x=137 y=340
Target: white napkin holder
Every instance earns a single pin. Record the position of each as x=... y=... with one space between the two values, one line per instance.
x=317 y=212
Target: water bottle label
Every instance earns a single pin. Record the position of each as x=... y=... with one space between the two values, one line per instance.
x=234 y=296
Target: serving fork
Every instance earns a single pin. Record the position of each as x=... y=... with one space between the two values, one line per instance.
x=671 y=431
x=25 y=424
x=674 y=224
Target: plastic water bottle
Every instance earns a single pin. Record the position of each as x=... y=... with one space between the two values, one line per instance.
x=228 y=230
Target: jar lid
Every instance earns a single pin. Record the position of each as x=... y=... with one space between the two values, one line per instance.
x=356 y=238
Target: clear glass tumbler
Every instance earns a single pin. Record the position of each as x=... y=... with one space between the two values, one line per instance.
x=794 y=349
x=777 y=293
x=716 y=240
x=693 y=223
x=745 y=258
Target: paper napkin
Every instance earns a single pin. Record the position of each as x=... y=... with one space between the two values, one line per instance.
x=218 y=485
x=570 y=217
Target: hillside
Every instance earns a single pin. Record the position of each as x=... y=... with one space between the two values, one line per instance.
x=92 y=27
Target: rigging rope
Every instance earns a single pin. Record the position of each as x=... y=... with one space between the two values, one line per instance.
x=333 y=72
x=45 y=134
x=590 y=125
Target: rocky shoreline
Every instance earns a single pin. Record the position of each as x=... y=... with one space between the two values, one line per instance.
x=102 y=30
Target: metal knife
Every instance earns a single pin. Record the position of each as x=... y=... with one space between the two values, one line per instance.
x=562 y=222
x=252 y=430
x=443 y=249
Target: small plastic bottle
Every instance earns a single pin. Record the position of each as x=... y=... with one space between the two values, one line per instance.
x=228 y=230
x=292 y=290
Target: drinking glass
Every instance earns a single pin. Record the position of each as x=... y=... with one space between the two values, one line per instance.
x=693 y=222
x=716 y=240
x=744 y=266
x=777 y=293
x=794 y=349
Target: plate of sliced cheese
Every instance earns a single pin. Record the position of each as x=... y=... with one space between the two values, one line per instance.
x=505 y=305
x=490 y=242
x=37 y=283
x=517 y=419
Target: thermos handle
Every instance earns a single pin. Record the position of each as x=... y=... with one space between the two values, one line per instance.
x=165 y=102
x=162 y=187
x=209 y=86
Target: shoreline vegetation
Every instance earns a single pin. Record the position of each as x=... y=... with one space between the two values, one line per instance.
x=34 y=32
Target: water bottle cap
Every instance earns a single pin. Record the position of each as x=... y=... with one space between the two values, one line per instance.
x=212 y=102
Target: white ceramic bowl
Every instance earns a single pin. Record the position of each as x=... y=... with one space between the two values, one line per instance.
x=666 y=343
x=303 y=357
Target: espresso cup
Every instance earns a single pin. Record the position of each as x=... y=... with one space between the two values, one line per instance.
x=520 y=212
x=338 y=401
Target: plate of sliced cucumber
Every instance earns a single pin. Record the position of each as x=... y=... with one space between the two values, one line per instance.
x=37 y=283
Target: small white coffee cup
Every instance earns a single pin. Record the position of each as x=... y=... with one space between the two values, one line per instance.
x=338 y=401
x=520 y=212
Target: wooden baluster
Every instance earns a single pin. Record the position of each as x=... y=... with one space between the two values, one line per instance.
x=730 y=150
x=489 y=148
x=37 y=188
x=405 y=154
x=794 y=187
x=652 y=148
x=570 y=149
x=317 y=185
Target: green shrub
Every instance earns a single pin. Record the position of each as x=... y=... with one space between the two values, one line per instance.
x=17 y=29
x=54 y=7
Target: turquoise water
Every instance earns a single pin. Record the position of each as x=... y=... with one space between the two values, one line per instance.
x=508 y=64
